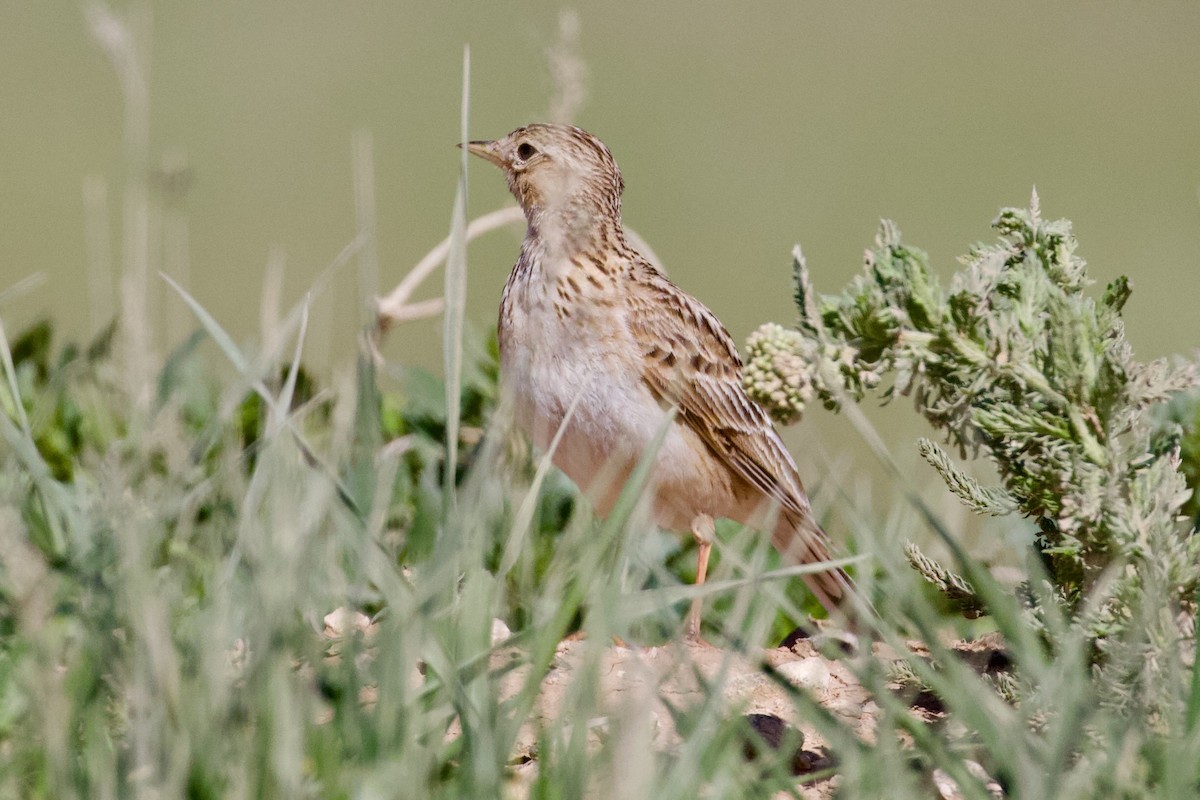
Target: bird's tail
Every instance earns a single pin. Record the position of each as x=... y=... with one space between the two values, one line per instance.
x=800 y=540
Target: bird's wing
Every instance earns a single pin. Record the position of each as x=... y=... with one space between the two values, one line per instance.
x=690 y=360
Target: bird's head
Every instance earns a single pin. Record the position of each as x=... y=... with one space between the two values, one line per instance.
x=556 y=170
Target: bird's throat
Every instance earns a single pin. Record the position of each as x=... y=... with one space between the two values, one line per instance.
x=571 y=229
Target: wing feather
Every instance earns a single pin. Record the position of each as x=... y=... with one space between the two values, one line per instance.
x=690 y=361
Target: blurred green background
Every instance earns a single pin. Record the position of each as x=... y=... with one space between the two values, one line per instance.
x=740 y=132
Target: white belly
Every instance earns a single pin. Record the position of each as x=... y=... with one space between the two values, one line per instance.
x=551 y=363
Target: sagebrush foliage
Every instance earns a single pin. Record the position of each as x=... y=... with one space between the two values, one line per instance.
x=1016 y=363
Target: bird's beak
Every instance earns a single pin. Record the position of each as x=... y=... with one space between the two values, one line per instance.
x=489 y=151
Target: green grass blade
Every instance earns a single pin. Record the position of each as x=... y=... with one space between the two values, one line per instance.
x=524 y=515
x=455 y=294
x=222 y=338
x=22 y=287
x=279 y=412
x=638 y=604
x=10 y=372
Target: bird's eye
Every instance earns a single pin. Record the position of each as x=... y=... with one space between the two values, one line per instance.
x=526 y=151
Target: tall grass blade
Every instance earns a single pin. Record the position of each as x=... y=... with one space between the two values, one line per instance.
x=289 y=385
x=10 y=372
x=223 y=340
x=524 y=516
x=455 y=294
x=22 y=287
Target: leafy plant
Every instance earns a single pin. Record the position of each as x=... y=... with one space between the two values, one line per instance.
x=1014 y=363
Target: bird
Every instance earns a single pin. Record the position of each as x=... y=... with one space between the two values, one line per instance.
x=590 y=331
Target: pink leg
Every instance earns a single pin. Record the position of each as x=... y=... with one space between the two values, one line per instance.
x=703 y=530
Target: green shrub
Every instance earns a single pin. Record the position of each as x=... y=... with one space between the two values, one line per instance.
x=1014 y=363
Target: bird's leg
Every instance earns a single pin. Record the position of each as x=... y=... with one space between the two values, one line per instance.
x=703 y=530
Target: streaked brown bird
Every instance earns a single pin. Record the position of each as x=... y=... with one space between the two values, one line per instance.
x=585 y=319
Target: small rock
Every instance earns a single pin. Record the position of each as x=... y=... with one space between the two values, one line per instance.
x=342 y=620
x=797 y=635
x=500 y=631
x=772 y=730
x=846 y=707
x=948 y=789
x=811 y=673
x=772 y=733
